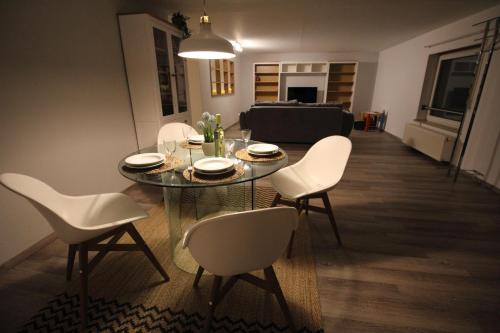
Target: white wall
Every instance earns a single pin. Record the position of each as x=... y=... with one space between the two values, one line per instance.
x=365 y=82
x=194 y=89
x=400 y=78
x=229 y=106
x=308 y=80
x=65 y=114
x=226 y=105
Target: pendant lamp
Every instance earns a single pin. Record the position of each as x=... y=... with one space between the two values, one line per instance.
x=206 y=44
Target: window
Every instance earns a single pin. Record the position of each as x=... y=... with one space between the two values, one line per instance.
x=453 y=84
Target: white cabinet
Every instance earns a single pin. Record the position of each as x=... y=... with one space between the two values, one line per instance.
x=156 y=74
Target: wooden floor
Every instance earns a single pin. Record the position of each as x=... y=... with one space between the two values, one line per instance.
x=420 y=253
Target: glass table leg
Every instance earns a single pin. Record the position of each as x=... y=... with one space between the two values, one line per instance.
x=186 y=206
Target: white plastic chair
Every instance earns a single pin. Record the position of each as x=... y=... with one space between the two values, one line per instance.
x=173 y=132
x=312 y=177
x=233 y=245
x=83 y=222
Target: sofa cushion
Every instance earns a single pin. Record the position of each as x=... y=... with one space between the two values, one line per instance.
x=340 y=105
x=278 y=103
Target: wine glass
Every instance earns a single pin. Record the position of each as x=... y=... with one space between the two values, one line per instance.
x=186 y=131
x=245 y=135
x=228 y=147
x=170 y=147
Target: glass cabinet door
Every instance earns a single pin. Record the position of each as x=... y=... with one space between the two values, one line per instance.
x=164 y=71
x=180 y=77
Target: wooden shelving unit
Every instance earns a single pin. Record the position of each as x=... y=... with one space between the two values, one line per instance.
x=341 y=83
x=266 y=82
x=221 y=77
x=304 y=68
x=336 y=80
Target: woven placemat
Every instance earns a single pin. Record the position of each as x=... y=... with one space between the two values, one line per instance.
x=202 y=179
x=242 y=154
x=187 y=145
x=171 y=162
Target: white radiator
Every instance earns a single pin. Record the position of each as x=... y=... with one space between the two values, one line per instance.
x=428 y=141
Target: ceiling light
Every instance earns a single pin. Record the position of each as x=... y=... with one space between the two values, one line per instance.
x=236 y=46
x=252 y=43
x=206 y=44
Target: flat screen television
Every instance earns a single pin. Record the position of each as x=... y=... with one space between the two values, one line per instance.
x=303 y=94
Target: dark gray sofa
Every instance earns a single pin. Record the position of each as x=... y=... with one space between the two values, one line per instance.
x=296 y=123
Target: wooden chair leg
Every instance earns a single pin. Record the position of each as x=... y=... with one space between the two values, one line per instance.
x=329 y=212
x=83 y=261
x=212 y=303
x=275 y=287
x=197 y=278
x=277 y=198
x=72 y=248
x=307 y=206
x=290 y=245
x=132 y=231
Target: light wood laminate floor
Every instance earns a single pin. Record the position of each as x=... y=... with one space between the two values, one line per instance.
x=420 y=253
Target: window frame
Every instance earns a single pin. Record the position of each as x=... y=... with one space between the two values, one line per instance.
x=447 y=56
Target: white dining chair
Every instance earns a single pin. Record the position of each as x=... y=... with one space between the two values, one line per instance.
x=174 y=132
x=312 y=177
x=84 y=222
x=235 y=244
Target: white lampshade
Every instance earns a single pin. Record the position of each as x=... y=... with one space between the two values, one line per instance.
x=206 y=44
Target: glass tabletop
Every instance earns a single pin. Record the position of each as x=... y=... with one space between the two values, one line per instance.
x=174 y=178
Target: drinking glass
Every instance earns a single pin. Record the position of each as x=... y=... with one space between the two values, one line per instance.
x=228 y=147
x=245 y=135
x=185 y=132
x=170 y=147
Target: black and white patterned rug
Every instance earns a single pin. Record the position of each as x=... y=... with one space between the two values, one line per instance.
x=62 y=315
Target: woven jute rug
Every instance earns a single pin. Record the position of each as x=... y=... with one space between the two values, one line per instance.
x=194 y=177
x=128 y=295
x=243 y=154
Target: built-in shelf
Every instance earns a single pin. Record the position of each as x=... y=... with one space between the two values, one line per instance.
x=266 y=88
x=338 y=80
x=304 y=68
x=341 y=83
x=266 y=82
x=263 y=92
x=221 y=77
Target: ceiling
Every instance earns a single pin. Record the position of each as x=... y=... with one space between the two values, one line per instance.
x=325 y=25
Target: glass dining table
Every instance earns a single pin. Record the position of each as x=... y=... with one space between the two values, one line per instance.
x=187 y=202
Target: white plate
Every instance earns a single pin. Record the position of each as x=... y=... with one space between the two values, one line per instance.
x=214 y=173
x=263 y=149
x=196 y=138
x=213 y=164
x=145 y=166
x=144 y=160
